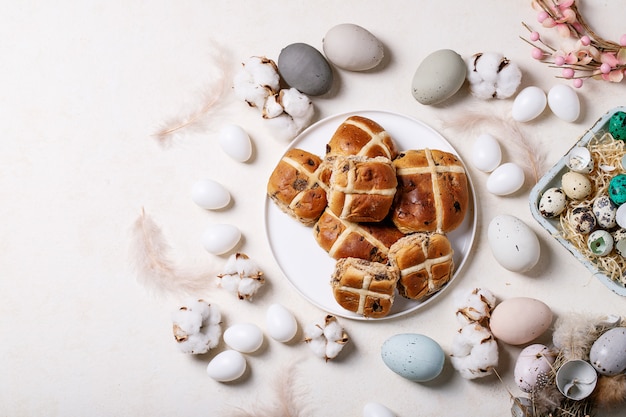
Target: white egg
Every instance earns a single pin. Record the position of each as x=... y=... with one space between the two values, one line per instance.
x=486 y=153
x=528 y=104
x=209 y=194
x=244 y=337
x=564 y=102
x=235 y=142
x=514 y=245
x=280 y=323
x=373 y=409
x=220 y=238
x=227 y=366
x=506 y=179
x=352 y=47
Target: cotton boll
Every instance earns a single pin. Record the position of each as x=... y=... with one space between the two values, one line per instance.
x=241 y=276
x=474 y=352
x=197 y=326
x=257 y=79
x=491 y=75
x=475 y=306
x=325 y=339
x=283 y=127
x=272 y=108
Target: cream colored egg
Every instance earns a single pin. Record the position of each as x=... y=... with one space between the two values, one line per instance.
x=575 y=185
x=235 y=142
x=220 y=238
x=352 y=47
x=227 y=366
x=520 y=320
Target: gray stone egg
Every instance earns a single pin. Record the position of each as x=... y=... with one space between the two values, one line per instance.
x=304 y=68
x=438 y=77
x=608 y=352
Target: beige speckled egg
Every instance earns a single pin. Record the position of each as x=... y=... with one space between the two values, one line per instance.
x=575 y=185
x=520 y=320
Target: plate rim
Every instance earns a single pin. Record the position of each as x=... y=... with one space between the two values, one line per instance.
x=458 y=268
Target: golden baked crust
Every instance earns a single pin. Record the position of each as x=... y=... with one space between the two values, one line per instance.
x=364 y=287
x=425 y=263
x=343 y=239
x=295 y=187
x=359 y=135
x=433 y=192
x=362 y=188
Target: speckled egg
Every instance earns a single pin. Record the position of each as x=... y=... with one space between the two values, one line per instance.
x=583 y=220
x=619 y=241
x=605 y=212
x=552 y=202
x=608 y=352
x=533 y=362
x=520 y=320
x=617 y=125
x=576 y=186
x=513 y=244
x=600 y=242
x=617 y=189
x=413 y=356
x=304 y=68
x=438 y=77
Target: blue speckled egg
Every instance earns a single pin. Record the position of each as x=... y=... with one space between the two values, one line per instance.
x=608 y=352
x=413 y=356
x=617 y=125
x=617 y=189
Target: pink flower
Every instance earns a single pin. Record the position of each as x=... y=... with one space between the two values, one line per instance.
x=560 y=16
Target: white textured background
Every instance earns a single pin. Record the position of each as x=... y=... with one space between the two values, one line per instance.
x=84 y=87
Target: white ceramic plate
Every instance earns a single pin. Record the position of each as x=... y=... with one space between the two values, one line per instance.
x=553 y=179
x=309 y=267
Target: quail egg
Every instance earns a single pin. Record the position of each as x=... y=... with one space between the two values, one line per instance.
x=605 y=212
x=576 y=186
x=552 y=202
x=600 y=242
x=619 y=240
x=583 y=220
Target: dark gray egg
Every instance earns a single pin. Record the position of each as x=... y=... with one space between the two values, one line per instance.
x=304 y=68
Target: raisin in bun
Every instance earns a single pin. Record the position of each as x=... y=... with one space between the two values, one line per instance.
x=362 y=188
x=425 y=263
x=363 y=287
x=295 y=187
x=343 y=239
x=361 y=136
x=433 y=191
